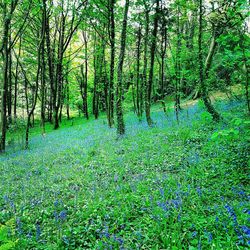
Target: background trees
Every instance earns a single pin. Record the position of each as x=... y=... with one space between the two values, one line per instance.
x=58 y=56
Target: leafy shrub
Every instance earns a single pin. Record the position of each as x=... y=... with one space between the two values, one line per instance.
x=6 y=243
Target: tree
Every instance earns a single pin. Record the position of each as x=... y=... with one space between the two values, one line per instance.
x=119 y=109
x=205 y=69
x=152 y=61
x=5 y=49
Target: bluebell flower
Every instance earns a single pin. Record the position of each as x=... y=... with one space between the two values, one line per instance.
x=162 y=192
x=38 y=231
x=199 y=245
x=210 y=237
x=116 y=178
x=246 y=231
x=198 y=189
x=119 y=240
x=65 y=240
x=29 y=235
x=63 y=215
x=232 y=214
x=162 y=205
x=19 y=226
x=179 y=217
x=194 y=234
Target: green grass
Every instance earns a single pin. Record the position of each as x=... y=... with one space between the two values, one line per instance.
x=166 y=187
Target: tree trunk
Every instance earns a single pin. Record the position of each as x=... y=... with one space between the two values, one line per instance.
x=112 y=65
x=152 y=61
x=204 y=92
x=4 y=93
x=119 y=88
x=178 y=67
x=59 y=72
x=145 y=59
x=138 y=83
x=162 y=68
x=16 y=80
x=9 y=97
x=85 y=76
x=43 y=73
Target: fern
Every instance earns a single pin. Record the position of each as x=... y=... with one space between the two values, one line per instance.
x=5 y=242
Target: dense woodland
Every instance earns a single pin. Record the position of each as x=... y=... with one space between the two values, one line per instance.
x=92 y=56
x=124 y=124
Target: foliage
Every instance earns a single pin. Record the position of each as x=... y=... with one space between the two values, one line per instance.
x=6 y=243
x=170 y=186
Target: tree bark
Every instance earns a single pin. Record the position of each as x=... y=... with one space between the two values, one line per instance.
x=204 y=92
x=138 y=83
x=112 y=65
x=5 y=53
x=119 y=88
x=152 y=61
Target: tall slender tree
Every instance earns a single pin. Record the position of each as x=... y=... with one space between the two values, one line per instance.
x=119 y=88
x=152 y=62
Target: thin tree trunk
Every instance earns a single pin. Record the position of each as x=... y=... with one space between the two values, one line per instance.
x=43 y=68
x=145 y=59
x=138 y=86
x=5 y=53
x=112 y=65
x=152 y=61
x=50 y=65
x=162 y=68
x=9 y=96
x=59 y=72
x=178 y=67
x=85 y=91
x=204 y=92
x=119 y=88
x=16 y=80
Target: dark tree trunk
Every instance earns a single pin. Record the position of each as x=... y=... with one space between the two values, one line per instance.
x=16 y=80
x=84 y=90
x=162 y=66
x=119 y=89
x=5 y=53
x=95 y=108
x=9 y=97
x=43 y=73
x=50 y=65
x=152 y=61
x=59 y=72
x=85 y=78
x=145 y=59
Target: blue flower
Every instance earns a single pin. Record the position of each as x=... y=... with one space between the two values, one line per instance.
x=65 y=240
x=38 y=231
x=63 y=215
x=198 y=189
x=162 y=192
x=19 y=226
x=246 y=231
x=210 y=237
x=194 y=234
x=232 y=214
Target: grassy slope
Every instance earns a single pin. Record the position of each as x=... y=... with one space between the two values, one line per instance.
x=167 y=187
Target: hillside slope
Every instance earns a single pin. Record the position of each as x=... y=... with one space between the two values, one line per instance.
x=168 y=187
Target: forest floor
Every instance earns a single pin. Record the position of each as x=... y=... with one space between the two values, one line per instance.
x=172 y=186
